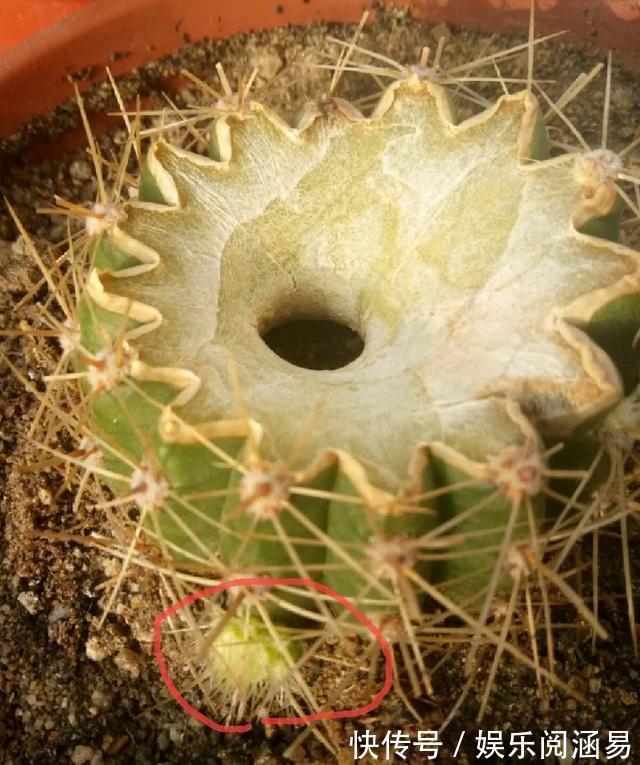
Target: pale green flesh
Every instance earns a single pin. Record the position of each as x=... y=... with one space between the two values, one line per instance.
x=244 y=652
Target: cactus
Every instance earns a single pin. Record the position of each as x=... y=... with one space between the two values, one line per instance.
x=449 y=460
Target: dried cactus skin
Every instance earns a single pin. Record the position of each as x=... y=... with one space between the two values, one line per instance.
x=465 y=261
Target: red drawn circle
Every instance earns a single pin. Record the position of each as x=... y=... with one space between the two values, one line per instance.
x=271 y=582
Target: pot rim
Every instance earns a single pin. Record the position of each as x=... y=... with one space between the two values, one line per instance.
x=22 y=19
x=124 y=34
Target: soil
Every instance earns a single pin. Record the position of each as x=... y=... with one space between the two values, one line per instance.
x=71 y=694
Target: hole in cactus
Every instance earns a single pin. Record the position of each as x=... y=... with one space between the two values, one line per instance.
x=314 y=343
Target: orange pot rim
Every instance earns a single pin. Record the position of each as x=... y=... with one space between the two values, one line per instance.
x=124 y=34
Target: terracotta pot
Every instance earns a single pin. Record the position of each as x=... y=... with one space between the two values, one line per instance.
x=123 y=34
x=21 y=19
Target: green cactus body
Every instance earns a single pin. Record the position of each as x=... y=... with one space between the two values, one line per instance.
x=476 y=273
